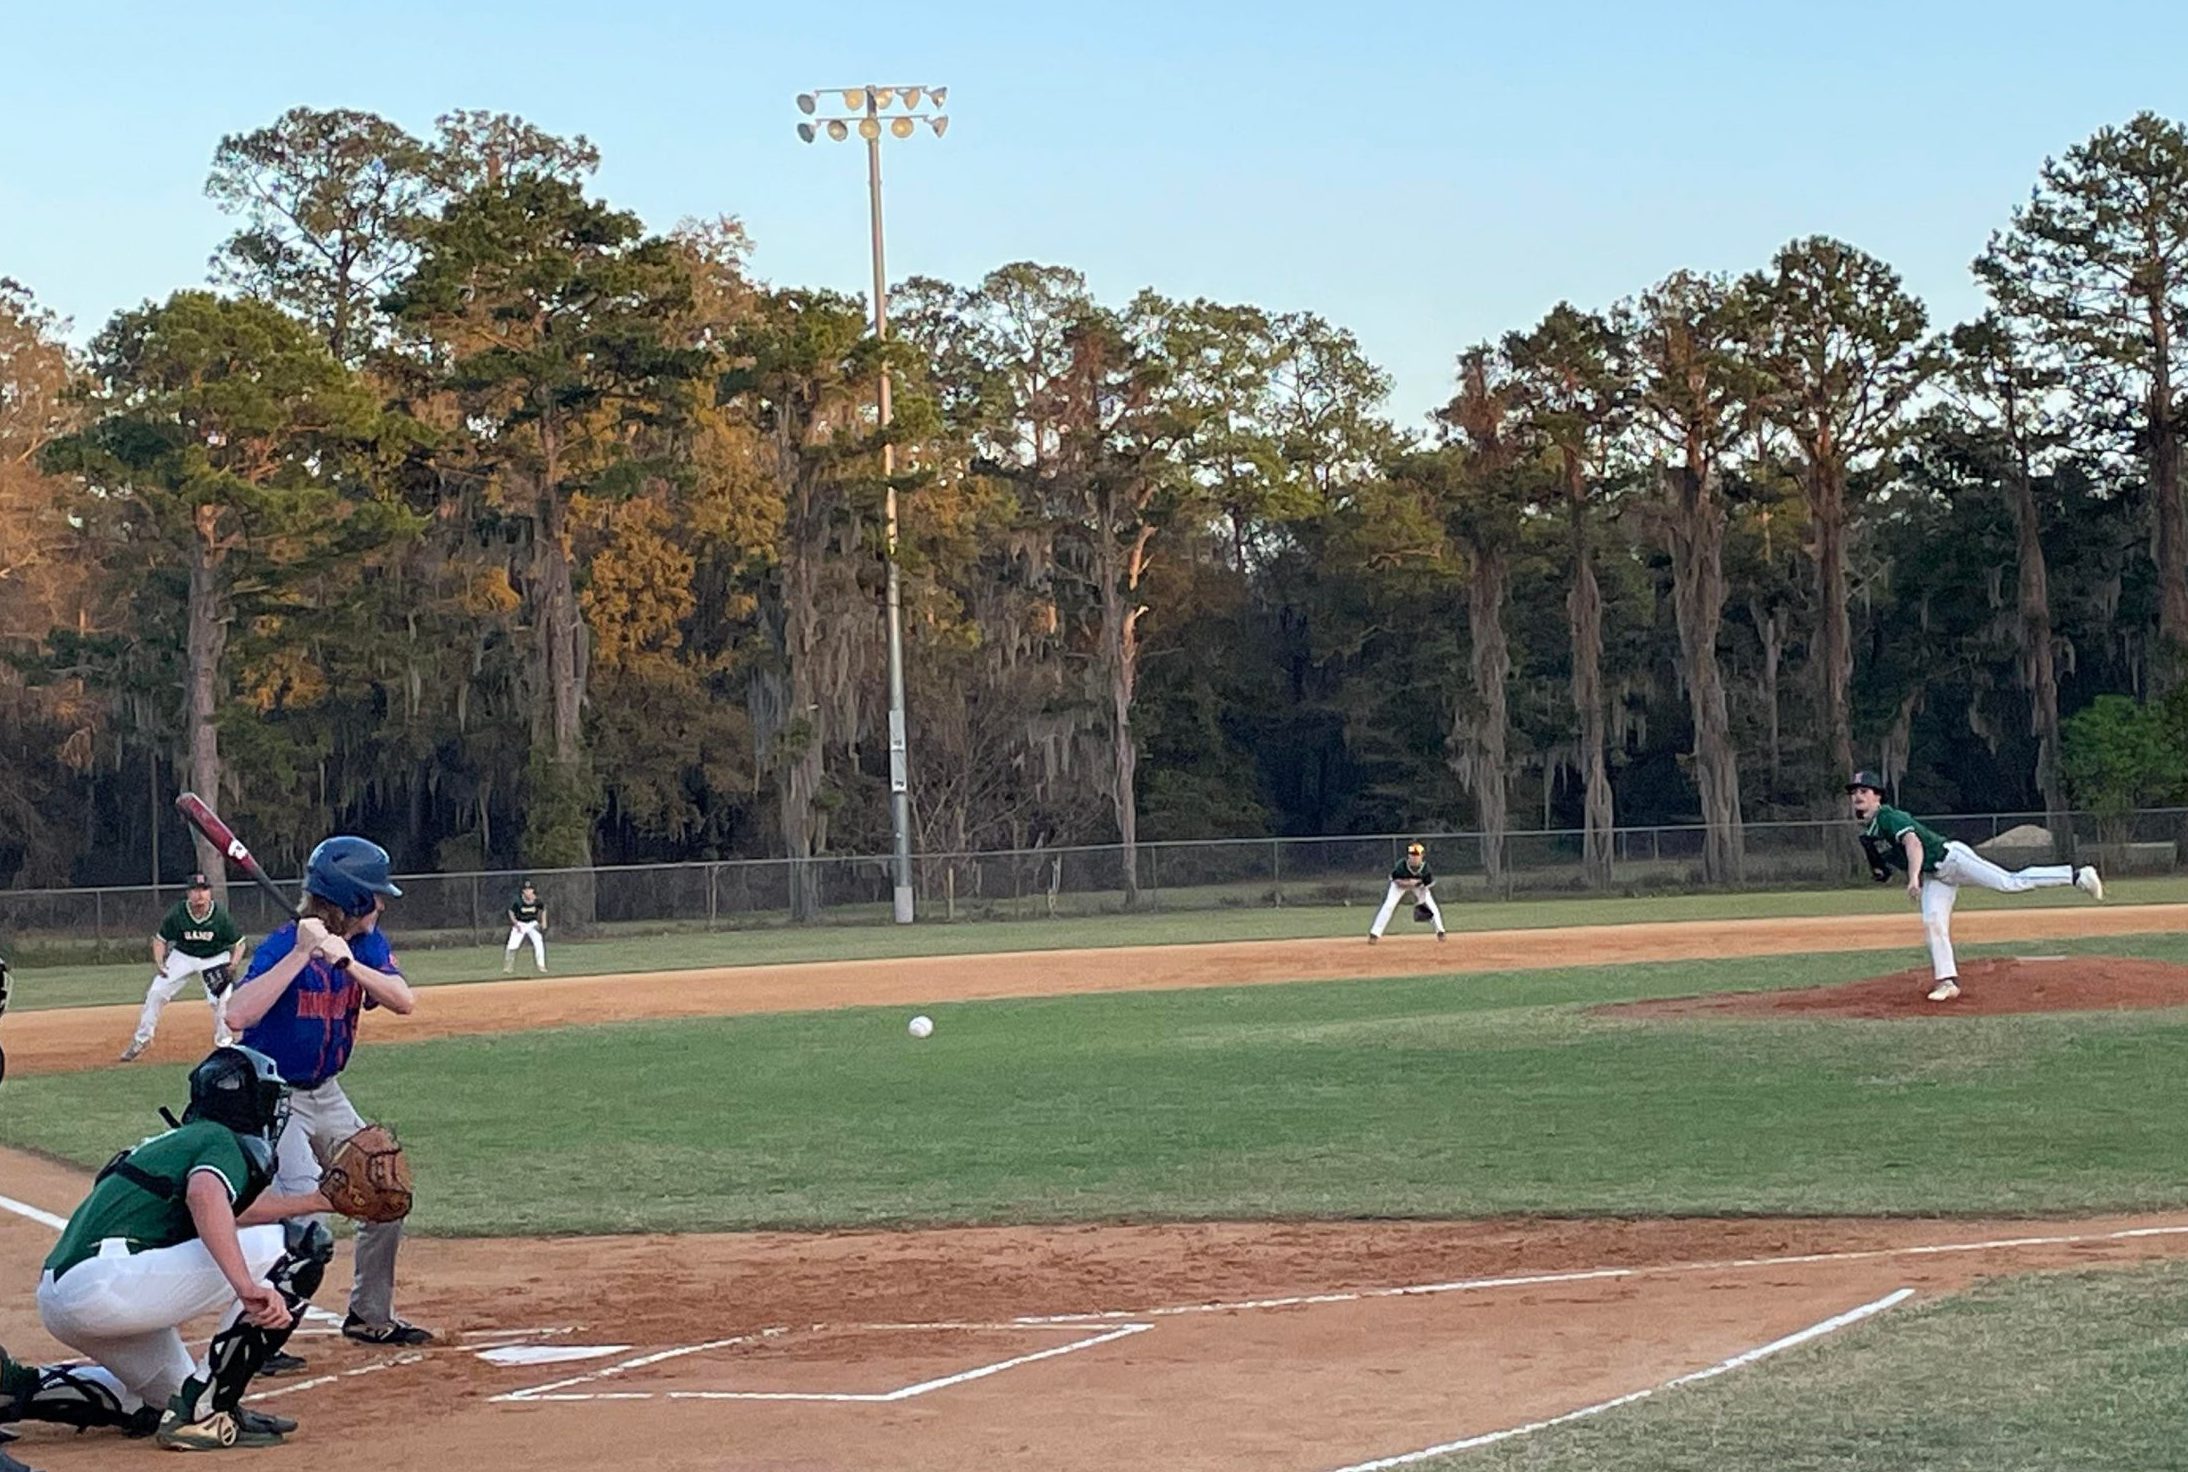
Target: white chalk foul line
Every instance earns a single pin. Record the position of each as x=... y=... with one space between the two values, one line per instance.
x=1725 y=1366
x=561 y=1391
x=318 y=1380
x=1597 y=1275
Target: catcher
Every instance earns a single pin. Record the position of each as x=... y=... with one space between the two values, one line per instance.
x=1936 y=867
x=181 y=1226
x=1411 y=877
x=299 y=1003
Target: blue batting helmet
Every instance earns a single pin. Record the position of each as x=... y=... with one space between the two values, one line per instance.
x=347 y=873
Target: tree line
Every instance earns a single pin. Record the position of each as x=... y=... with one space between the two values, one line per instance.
x=460 y=508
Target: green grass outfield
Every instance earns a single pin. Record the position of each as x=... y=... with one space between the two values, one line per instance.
x=2053 y=1372
x=81 y=986
x=1437 y=1097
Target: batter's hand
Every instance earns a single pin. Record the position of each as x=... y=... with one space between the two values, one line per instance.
x=336 y=950
x=265 y=1307
x=310 y=934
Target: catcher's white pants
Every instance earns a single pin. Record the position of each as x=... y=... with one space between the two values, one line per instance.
x=176 y=973
x=1418 y=896
x=1961 y=866
x=525 y=930
x=319 y=1120
x=125 y=1310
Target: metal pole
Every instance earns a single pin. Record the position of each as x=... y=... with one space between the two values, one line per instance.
x=900 y=805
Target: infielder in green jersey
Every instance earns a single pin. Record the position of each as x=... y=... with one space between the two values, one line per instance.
x=527 y=922
x=198 y=938
x=1409 y=878
x=1936 y=867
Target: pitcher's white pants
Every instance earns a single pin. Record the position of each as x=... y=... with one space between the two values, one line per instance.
x=125 y=1309
x=525 y=930
x=175 y=974
x=1416 y=896
x=1963 y=865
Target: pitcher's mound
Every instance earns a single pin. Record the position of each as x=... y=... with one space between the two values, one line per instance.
x=1987 y=988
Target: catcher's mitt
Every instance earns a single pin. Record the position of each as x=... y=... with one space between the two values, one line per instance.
x=1422 y=913
x=367 y=1178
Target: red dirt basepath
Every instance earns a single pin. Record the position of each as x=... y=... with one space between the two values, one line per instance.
x=1988 y=988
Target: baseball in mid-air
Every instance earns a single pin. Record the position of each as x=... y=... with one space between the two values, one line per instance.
x=922 y=1026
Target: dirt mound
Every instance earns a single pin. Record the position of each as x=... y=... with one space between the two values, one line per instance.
x=1988 y=988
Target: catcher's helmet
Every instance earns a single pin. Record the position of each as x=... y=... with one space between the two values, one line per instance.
x=1872 y=780
x=241 y=1088
x=348 y=873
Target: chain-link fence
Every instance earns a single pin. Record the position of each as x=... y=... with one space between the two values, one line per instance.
x=461 y=909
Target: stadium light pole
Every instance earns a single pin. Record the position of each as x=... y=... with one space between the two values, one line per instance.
x=865 y=110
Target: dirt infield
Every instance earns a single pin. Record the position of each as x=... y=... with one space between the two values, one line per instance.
x=1219 y=1346
x=1991 y=987
x=68 y=1040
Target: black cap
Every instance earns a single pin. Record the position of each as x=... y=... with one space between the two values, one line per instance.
x=1871 y=780
x=199 y=881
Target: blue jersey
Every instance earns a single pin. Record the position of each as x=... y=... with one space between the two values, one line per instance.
x=311 y=1028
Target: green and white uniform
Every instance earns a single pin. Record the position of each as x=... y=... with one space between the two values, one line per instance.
x=1408 y=878
x=130 y=1270
x=1948 y=864
x=526 y=923
x=196 y=944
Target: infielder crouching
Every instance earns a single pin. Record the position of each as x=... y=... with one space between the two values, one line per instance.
x=1937 y=867
x=1412 y=879
x=527 y=922
x=197 y=939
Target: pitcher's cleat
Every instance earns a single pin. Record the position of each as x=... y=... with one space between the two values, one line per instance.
x=1945 y=990
x=2088 y=882
x=135 y=1050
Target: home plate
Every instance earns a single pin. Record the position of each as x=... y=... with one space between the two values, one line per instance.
x=549 y=1354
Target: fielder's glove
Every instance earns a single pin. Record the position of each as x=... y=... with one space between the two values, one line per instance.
x=367 y=1178
x=1423 y=914
x=218 y=979
x=1874 y=849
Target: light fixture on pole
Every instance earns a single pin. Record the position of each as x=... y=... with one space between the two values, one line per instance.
x=865 y=105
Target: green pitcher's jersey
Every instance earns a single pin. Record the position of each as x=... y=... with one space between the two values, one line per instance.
x=217 y=932
x=524 y=911
x=120 y=1207
x=1893 y=825
x=1405 y=870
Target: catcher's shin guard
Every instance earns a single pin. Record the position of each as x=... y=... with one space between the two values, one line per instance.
x=66 y=1396
x=241 y=1350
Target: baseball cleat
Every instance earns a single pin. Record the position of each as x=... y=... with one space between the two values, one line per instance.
x=259 y=1421
x=280 y=1363
x=1373 y=939
x=1945 y=990
x=2088 y=882
x=394 y=1331
x=218 y=1432
x=135 y=1050
x=1443 y=935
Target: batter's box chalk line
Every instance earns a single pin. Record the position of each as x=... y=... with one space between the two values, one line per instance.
x=1724 y=1366
x=569 y=1391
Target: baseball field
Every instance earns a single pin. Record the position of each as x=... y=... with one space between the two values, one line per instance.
x=1647 y=1186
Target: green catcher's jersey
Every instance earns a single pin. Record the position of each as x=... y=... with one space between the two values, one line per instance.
x=120 y=1207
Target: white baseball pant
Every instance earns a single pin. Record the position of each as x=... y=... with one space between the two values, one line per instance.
x=1419 y=895
x=125 y=1309
x=175 y=973
x=319 y=1120
x=522 y=931
x=1963 y=866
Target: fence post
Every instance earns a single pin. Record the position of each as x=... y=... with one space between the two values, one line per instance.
x=476 y=938
x=713 y=890
x=98 y=919
x=1276 y=869
x=1154 y=874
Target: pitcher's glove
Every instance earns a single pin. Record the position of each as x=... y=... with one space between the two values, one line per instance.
x=1874 y=849
x=367 y=1178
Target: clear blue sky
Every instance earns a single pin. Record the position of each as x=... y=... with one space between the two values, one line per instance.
x=1425 y=174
